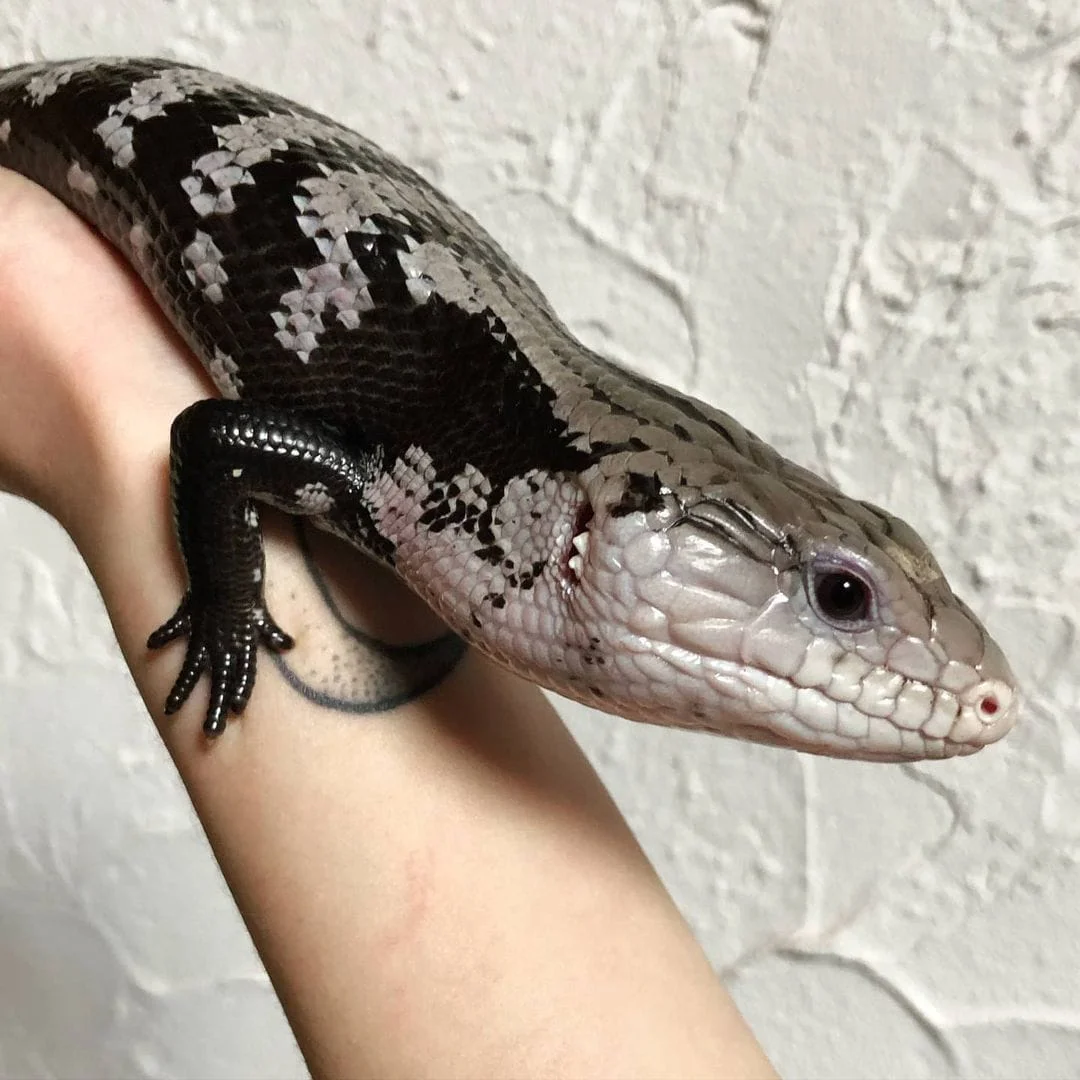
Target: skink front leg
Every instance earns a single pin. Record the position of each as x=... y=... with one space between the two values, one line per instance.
x=226 y=456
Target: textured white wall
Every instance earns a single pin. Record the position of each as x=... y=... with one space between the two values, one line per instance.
x=855 y=225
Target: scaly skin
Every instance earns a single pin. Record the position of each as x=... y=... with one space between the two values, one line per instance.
x=387 y=371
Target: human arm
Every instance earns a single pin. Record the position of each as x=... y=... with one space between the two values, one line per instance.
x=440 y=889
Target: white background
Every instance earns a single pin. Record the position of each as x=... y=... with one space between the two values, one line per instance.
x=855 y=226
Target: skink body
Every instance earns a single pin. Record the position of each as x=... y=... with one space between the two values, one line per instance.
x=386 y=371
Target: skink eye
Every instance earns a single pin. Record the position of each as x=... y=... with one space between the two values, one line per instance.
x=840 y=597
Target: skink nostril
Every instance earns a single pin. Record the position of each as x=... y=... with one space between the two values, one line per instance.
x=991 y=701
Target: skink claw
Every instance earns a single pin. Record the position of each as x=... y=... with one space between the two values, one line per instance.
x=225 y=644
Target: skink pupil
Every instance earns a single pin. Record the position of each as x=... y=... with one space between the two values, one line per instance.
x=841 y=597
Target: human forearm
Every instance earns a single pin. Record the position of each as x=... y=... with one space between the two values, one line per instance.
x=443 y=888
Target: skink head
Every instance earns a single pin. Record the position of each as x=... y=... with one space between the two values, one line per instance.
x=755 y=600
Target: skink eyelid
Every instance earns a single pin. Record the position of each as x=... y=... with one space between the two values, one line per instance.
x=738 y=525
x=818 y=573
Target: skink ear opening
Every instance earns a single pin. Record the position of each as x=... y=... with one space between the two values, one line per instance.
x=578 y=551
x=582 y=518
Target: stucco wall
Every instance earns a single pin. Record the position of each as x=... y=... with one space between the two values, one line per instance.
x=856 y=226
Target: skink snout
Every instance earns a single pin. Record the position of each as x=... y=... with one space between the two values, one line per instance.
x=993 y=704
x=989 y=707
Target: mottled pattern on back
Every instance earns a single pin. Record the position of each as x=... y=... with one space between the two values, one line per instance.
x=304 y=265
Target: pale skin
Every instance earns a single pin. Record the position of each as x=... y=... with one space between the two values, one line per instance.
x=441 y=889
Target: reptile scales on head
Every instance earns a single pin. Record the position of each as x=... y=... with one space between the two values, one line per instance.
x=386 y=371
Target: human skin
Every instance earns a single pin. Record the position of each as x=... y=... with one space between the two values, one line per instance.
x=442 y=888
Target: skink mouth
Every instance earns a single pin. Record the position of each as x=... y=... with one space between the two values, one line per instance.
x=810 y=719
x=942 y=749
